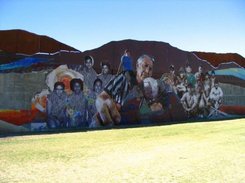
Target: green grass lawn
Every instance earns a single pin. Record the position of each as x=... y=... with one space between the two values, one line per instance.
x=195 y=152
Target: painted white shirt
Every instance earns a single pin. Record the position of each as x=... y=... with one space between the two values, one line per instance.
x=216 y=94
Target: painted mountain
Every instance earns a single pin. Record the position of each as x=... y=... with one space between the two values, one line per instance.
x=220 y=58
x=19 y=41
x=17 y=45
x=27 y=58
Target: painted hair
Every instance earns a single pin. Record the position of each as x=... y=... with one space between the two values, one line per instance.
x=141 y=58
x=97 y=80
x=58 y=83
x=76 y=80
x=105 y=63
x=88 y=57
x=171 y=67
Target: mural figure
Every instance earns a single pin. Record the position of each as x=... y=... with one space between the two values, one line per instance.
x=77 y=107
x=199 y=75
x=88 y=73
x=56 y=107
x=202 y=102
x=115 y=94
x=189 y=76
x=97 y=89
x=216 y=95
x=181 y=83
x=207 y=84
x=126 y=63
x=170 y=78
x=152 y=103
x=105 y=75
x=189 y=101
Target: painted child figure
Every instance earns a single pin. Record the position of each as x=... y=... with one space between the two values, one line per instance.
x=88 y=73
x=77 y=105
x=105 y=75
x=189 y=101
x=56 y=107
x=97 y=89
x=189 y=76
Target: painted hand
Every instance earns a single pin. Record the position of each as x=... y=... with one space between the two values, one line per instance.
x=107 y=109
x=155 y=107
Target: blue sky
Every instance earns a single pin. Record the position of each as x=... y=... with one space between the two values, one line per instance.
x=191 y=25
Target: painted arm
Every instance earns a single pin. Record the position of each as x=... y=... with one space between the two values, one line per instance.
x=182 y=100
x=49 y=106
x=194 y=104
x=107 y=109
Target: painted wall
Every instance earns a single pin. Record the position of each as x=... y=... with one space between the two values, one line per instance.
x=17 y=89
x=25 y=98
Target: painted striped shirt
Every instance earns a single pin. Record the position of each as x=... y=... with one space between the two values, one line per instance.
x=118 y=88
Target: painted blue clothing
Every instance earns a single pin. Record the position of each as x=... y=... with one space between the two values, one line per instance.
x=126 y=63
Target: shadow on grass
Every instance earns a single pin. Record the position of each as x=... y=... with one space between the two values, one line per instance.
x=125 y=126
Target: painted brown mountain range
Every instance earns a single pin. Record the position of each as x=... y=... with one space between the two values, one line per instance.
x=19 y=41
x=163 y=53
x=219 y=58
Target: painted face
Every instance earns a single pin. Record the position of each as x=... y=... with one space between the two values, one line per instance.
x=190 y=90
x=88 y=63
x=188 y=69
x=77 y=88
x=200 y=69
x=105 y=69
x=98 y=87
x=59 y=90
x=144 y=69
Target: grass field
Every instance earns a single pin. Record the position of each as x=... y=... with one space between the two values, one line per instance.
x=195 y=152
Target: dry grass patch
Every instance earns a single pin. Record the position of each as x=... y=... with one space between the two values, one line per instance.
x=196 y=152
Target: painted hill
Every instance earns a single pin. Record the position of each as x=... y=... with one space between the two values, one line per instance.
x=163 y=53
x=20 y=41
x=14 y=42
x=218 y=58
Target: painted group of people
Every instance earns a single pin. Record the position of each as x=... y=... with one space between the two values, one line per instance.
x=199 y=93
x=77 y=108
x=150 y=95
x=100 y=103
x=99 y=99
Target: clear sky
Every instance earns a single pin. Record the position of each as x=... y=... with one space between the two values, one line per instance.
x=191 y=25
